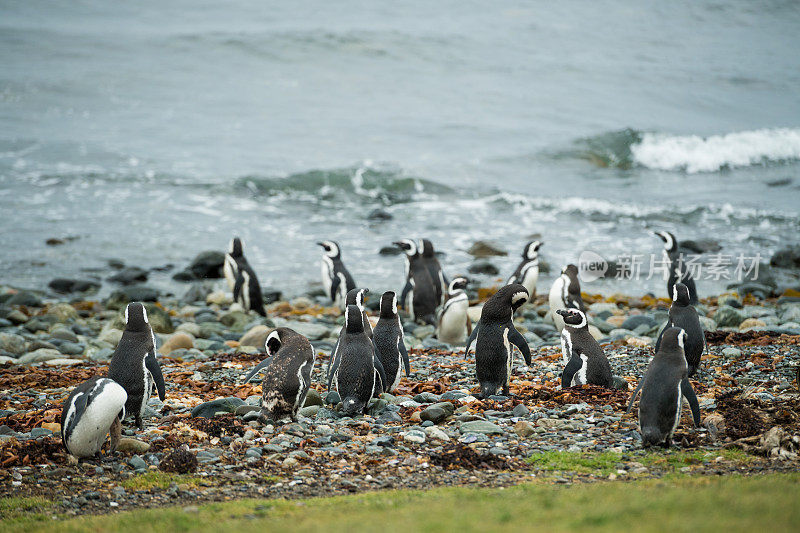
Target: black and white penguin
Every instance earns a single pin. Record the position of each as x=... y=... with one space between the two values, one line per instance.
x=287 y=374
x=388 y=338
x=134 y=364
x=93 y=409
x=242 y=279
x=527 y=273
x=664 y=385
x=585 y=360
x=678 y=271
x=357 y=374
x=419 y=294
x=354 y=297
x=494 y=336
x=453 y=324
x=335 y=277
x=565 y=294
x=434 y=269
x=682 y=314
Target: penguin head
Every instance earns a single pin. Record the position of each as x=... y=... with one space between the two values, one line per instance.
x=356 y=297
x=670 y=244
x=236 y=247
x=331 y=248
x=273 y=343
x=680 y=294
x=673 y=341
x=408 y=246
x=458 y=284
x=136 y=317
x=531 y=250
x=570 y=272
x=389 y=304
x=503 y=303
x=574 y=317
x=353 y=321
x=426 y=248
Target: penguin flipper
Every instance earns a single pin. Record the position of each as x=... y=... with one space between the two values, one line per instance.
x=570 y=370
x=666 y=327
x=404 y=354
x=635 y=394
x=471 y=339
x=237 y=287
x=519 y=341
x=376 y=361
x=259 y=367
x=688 y=393
x=152 y=365
x=404 y=294
x=333 y=357
x=332 y=372
x=334 y=287
x=81 y=401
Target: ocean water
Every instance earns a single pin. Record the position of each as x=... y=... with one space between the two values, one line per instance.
x=150 y=131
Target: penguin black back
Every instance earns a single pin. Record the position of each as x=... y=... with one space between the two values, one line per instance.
x=434 y=269
x=388 y=339
x=419 y=294
x=335 y=277
x=586 y=362
x=678 y=270
x=682 y=314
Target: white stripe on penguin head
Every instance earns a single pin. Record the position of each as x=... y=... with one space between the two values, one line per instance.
x=517 y=296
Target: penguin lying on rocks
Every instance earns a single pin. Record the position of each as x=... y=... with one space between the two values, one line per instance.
x=494 y=336
x=93 y=409
x=663 y=387
x=287 y=374
x=134 y=364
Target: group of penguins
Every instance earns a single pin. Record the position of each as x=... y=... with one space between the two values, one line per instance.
x=367 y=361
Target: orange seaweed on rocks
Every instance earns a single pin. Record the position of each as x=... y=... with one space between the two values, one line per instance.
x=44 y=450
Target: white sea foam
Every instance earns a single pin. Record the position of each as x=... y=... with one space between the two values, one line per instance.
x=697 y=154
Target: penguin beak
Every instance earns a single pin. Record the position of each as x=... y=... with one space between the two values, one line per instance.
x=562 y=312
x=321 y=244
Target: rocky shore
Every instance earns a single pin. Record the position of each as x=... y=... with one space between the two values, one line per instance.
x=204 y=442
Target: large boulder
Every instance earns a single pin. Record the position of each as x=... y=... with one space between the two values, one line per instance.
x=727 y=316
x=129 y=276
x=788 y=257
x=207 y=265
x=67 y=285
x=256 y=336
x=485 y=249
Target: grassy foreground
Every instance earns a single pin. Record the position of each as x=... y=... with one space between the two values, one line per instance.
x=680 y=504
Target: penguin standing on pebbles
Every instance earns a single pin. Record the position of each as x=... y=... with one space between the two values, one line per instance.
x=494 y=336
x=678 y=272
x=357 y=374
x=134 y=364
x=287 y=374
x=388 y=338
x=527 y=273
x=93 y=409
x=683 y=315
x=335 y=277
x=665 y=384
x=419 y=294
x=434 y=269
x=242 y=279
x=584 y=358
x=454 y=325
x=565 y=294
x=354 y=297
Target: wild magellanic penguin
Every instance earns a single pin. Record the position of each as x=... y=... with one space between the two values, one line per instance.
x=287 y=374
x=494 y=336
x=93 y=409
x=678 y=269
x=242 y=279
x=683 y=315
x=388 y=338
x=355 y=297
x=357 y=374
x=134 y=364
x=335 y=277
x=584 y=358
x=664 y=385
x=565 y=294
x=434 y=269
x=527 y=273
x=453 y=324
x=419 y=294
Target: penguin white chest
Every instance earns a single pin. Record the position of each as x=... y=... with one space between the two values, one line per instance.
x=530 y=275
x=566 y=346
x=453 y=322
x=556 y=299
x=509 y=354
x=229 y=269
x=327 y=274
